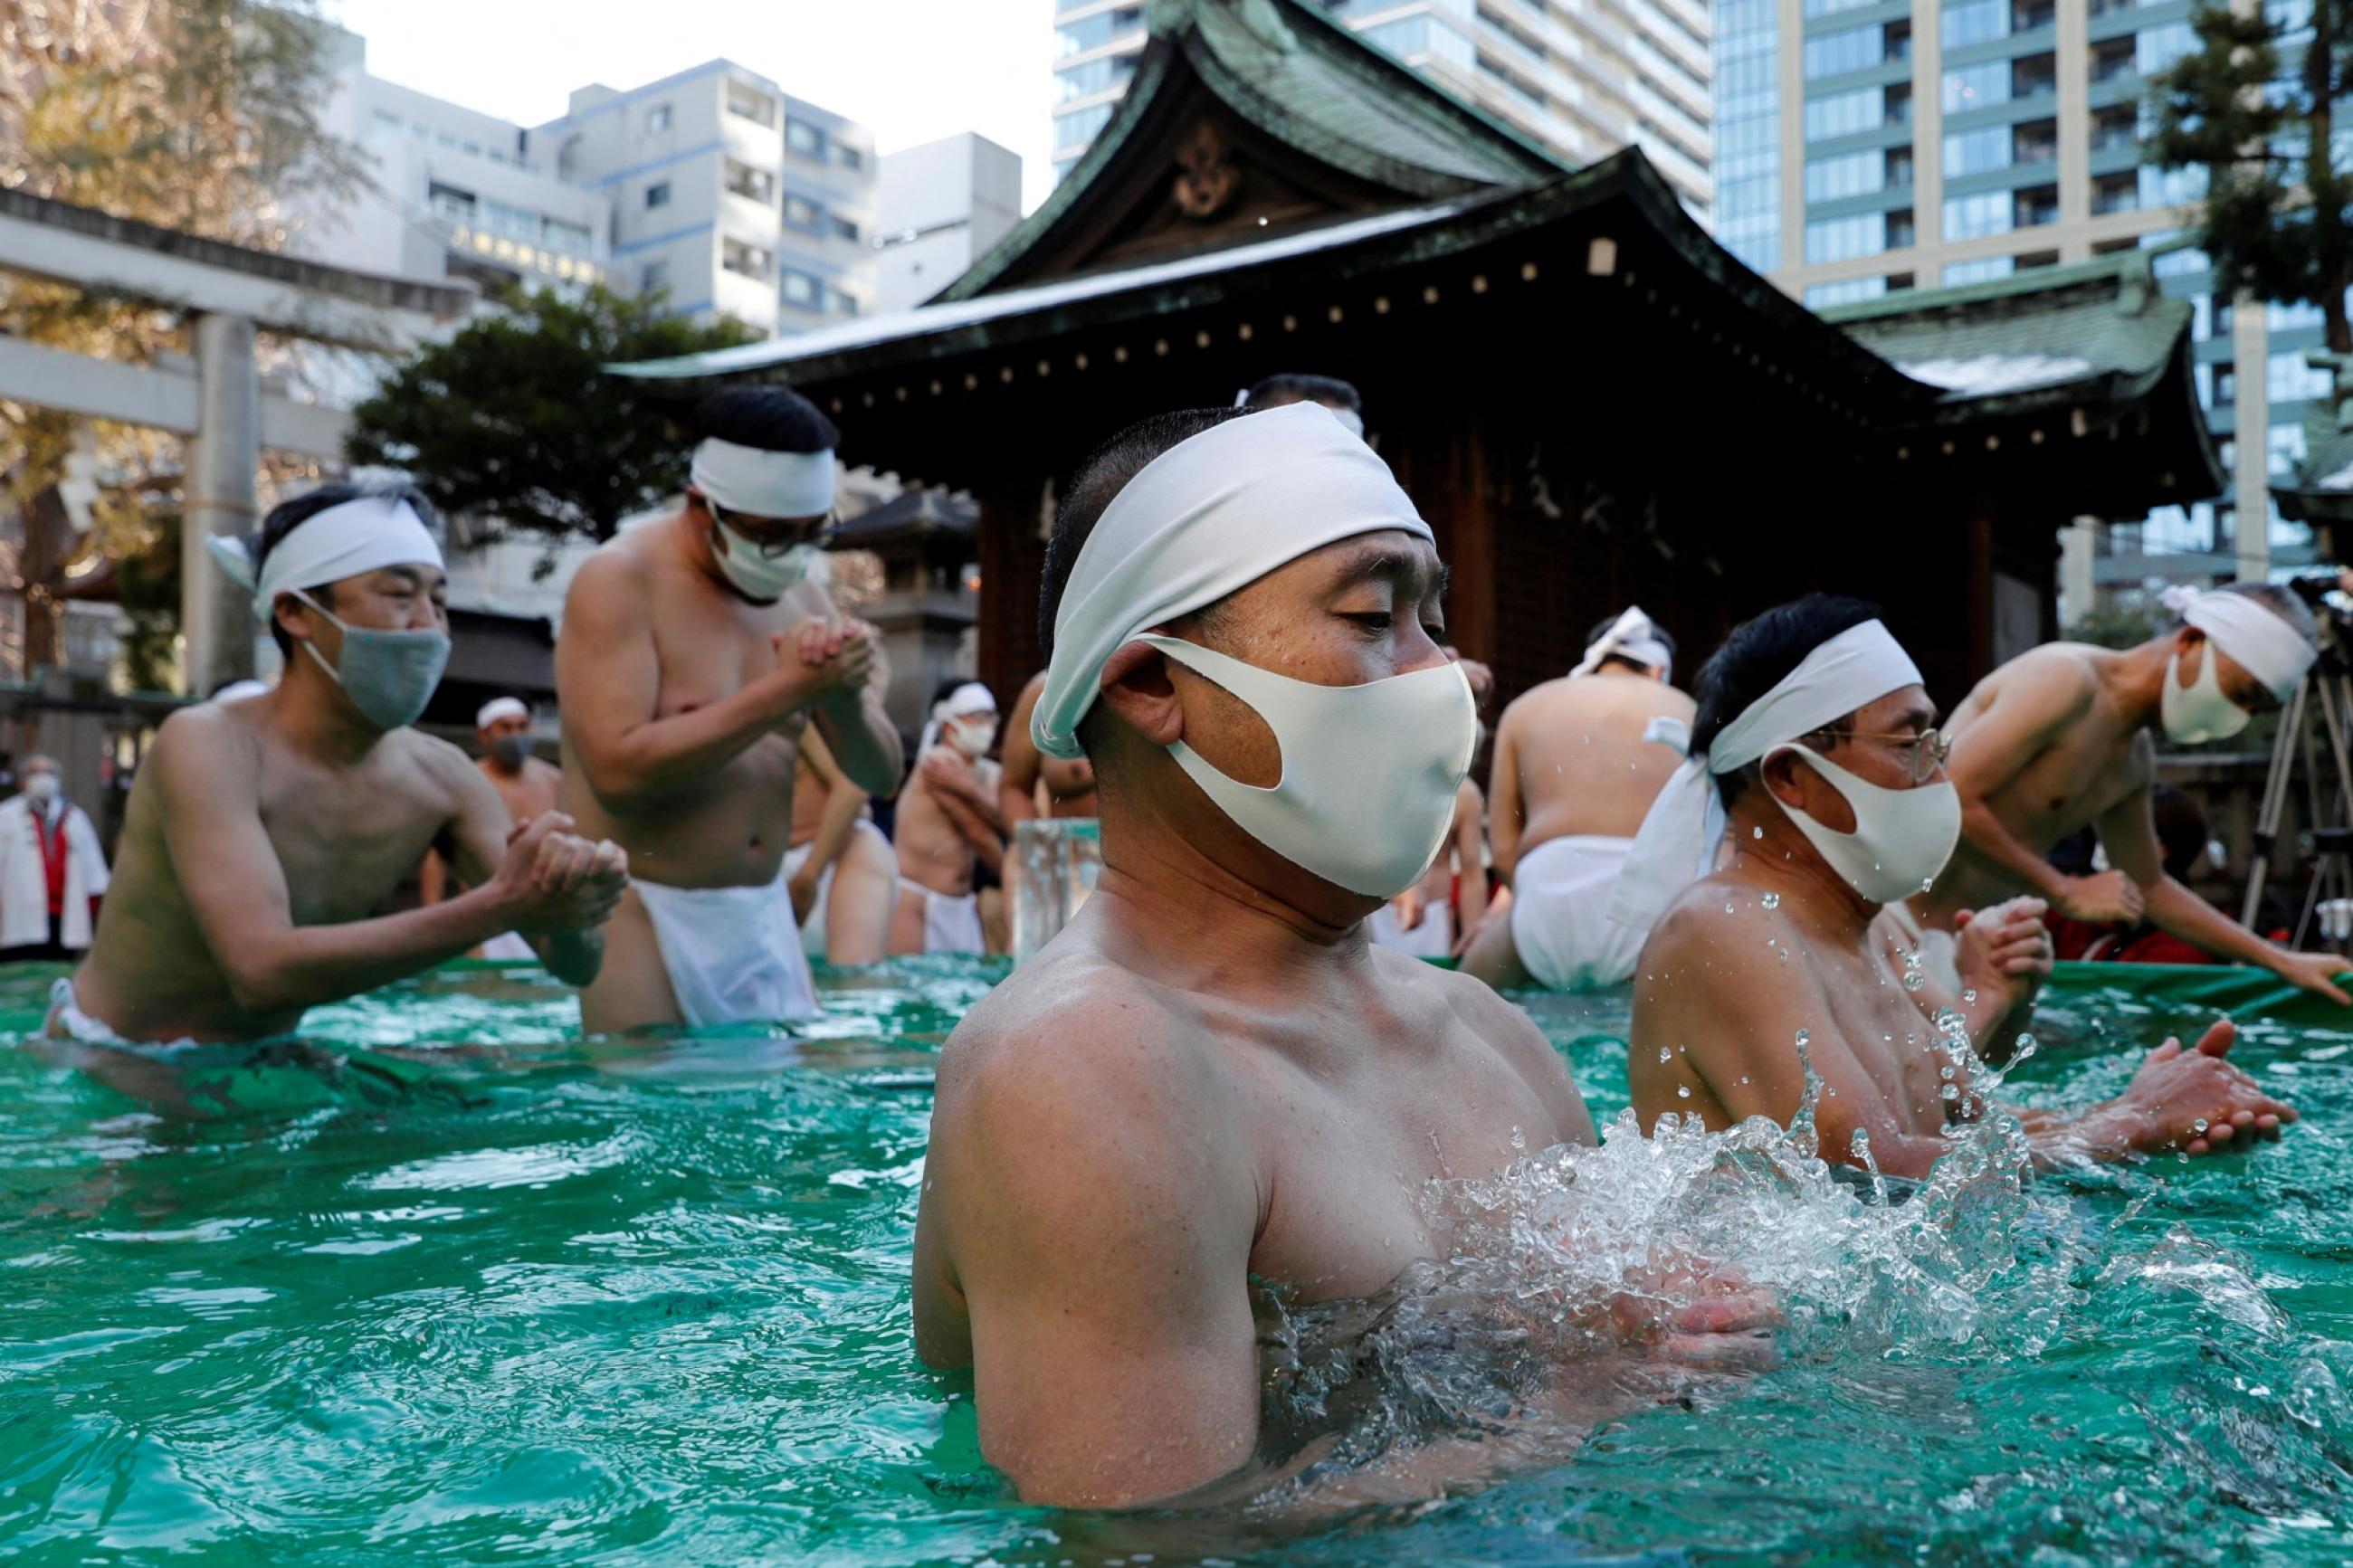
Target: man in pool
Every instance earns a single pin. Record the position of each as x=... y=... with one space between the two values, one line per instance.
x=527 y=788
x=695 y=651
x=2064 y=736
x=264 y=834
x=1578 y=763
x=1815 y=746
x=1210 y=1074
x=1067 y=784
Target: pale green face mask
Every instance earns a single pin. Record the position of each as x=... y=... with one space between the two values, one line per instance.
x=389 y=676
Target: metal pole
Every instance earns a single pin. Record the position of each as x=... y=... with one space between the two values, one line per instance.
x=223 y=480
x=2274 y=808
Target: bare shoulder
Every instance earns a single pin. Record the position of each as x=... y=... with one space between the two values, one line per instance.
x=2060 y=676
x=1717 y=934
x=1531 y=705
x=209 y=744
x=448 y=771
x=1066 y=1023
x=611 y=583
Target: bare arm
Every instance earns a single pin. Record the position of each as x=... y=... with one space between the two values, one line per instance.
x=569 y=941
x=1503 y=813
x=1098 y=1215
x=206 y=776
x=2128 y=833
x=1469 y=811
x=843 y=802
x=2022 y=721
x=986 y=843
x=849 y=711
x=1017 y=792
x=608 y=677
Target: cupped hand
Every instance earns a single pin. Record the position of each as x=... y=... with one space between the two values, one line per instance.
x=2197 y=1102
x=2317 y=973
x=2005 y=948
x=558 y=880
x=823 y=656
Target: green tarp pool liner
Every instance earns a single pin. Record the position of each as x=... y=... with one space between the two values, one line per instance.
x=2212 y=989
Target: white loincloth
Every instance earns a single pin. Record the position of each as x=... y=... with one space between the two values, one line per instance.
x=1561 y=893
x=950 y=924
x=733 y=954
x=67 y=1021
x=1940 y=950
x=1433 y=938
x=510 y=948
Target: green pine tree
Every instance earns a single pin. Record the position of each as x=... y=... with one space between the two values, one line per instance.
x=514 y=422
x=2255 y=106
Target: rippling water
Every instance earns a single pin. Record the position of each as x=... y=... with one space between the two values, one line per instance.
x=575 y=1303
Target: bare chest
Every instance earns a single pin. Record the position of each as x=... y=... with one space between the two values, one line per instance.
x=2072 y=783
x=348 y=840
x=1894 y=1045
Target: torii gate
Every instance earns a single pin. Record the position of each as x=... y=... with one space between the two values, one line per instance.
x=230 y=291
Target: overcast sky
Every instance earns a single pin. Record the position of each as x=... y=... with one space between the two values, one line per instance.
x=913 y=70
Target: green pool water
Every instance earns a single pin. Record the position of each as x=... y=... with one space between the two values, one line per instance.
x=576 y=1302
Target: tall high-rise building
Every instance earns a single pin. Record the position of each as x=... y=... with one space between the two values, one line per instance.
x=737 y=197
x=1863 y=147
x=1584 y=79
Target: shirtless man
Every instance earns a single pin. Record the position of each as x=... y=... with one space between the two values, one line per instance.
x=1209 y=1074
x=2064 y=736
x=527 y=786
x=1420 y=921
x=695 y=651
x=1069 y=785
x=1578 y=763
x=264 y=833
x=1814 y=741
x=949 y=822
x=841 y=873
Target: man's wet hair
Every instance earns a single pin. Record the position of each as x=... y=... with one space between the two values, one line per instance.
x=2279 y=601
x=1108 y=471
x=769 y=418
x=1759 y=655
x=1601 y=629
x=289 y=515
x=1296 y=388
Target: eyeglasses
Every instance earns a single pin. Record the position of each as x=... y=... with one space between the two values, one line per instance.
x=773 y=541
x=1925 y=753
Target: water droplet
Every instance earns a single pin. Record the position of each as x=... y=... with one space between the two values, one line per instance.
x=1970 y=994
x=1665 y=1055
x=1929 y=884
x=1804 y=1039
x=1772 y=900
x=1946 y=1072
x=1727 y=907
x=1950 y=1092
x=1683 y=1091
x=1757 y=832
x=1744 y=1078
x=2198 y=1127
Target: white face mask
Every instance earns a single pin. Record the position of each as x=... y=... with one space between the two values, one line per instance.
x=1369 y=773
x=973 y=737
x=1902 y=837
x=2200 y=712
x=758 y=576
x=42 y=787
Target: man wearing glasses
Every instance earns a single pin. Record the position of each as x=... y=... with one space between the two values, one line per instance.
x=1817 y=778
x=2064 y=737
x=695 y=651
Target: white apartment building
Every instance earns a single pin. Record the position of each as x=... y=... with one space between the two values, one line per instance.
x=943 y=205
x=455 y=195
x=1586 y=77
x=734 y=197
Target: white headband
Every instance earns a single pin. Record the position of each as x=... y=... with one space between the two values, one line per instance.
x=342 y=541
x=499 y=708
x=1632 y=635
x=1211 y=515
x=760 y=483
x=1678 y=841
x=2255 y=638
x=966 y=700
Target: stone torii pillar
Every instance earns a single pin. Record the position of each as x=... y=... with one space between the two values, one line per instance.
x=222 y=489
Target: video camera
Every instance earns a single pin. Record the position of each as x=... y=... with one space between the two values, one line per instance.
x=2326 y=595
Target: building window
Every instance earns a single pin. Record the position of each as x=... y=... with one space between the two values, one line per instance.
x=844 y=228
x=2289 y=379
x=1845 y=293
x=1967 y=22
x=653 y=277
x=1844 y=175
x=805 y=139
x=1839 y=239
x=659 y=118
x=1843 y=114
x=1899 y=166
x=2284 y=448
x=564 y=235
x=1078 y=129
x=841 y=303
x=1959 y=272
x=1848 y=49
x=1404 y=38
x=2036 y=142
x=1901 y=233
x=747 y=260
x=1093 y=32
x=802 y=213
x=752 y=184
x=750 y=103
x=2032 y=76
x=657 y=194
x=2157 y=49
x=2026 y=15
x=1971 y=217
x=1100 y=75
x=2116 y=192
x=1977 y=152
x=800 y=288
x=2035 y=206
x=449 y=202
x=1976 y=87
x=849 y=157
x=2112 y=60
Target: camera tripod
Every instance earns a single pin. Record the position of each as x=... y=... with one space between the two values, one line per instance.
x=2329 y=690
